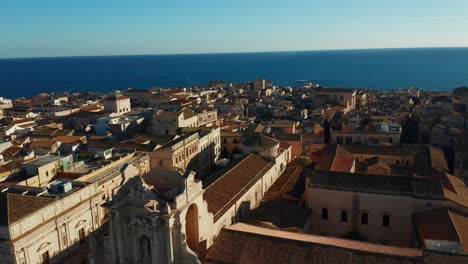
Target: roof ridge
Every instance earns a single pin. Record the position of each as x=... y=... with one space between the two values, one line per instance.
x=229 y=171
x=449 y=212
x=330 y=241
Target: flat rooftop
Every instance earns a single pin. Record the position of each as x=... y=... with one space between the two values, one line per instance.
x=43 y=160
x=383 y=184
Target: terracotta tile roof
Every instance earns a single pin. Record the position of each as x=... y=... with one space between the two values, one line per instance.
x=287 y=179
x=14 y=207
x=63 y=132
x=342 y=163
x=221 y=194
x=398 y=150
x=427 y=225
x=21 y=121
x=3 y=169
x=27 y=125
x=43 y=144
x=70 y=139
x=96 y=137
x=459 y=191
x=282 y=213
x=260 y=140
x=438 y=160
x=12 y=151
x=143 y=139
x=461 y=226
x=92 y=108
x=225 y=133
x=183 y=101
x=284 y=145
x=326 y=158
x=248 y=244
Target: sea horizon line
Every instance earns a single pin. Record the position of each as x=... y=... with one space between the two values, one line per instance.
x=225 y=53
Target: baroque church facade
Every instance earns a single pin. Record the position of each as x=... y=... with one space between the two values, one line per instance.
x=167 y=216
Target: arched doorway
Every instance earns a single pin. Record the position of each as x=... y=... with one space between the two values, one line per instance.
x=144 y=250
x=191 y=227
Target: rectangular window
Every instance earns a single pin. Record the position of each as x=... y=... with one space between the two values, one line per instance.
x=81 y=235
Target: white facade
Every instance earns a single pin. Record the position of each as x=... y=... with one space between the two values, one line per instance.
x=119 y=105
x=170 y=222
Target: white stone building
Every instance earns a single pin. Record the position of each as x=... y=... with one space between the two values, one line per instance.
x=171 y=122
x=117 y=104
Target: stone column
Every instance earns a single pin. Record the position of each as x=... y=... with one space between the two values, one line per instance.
x=136 y=245
x=117 y=235
x=169 y=243
x=112 y=230
x=92 y=244
x=156 y=240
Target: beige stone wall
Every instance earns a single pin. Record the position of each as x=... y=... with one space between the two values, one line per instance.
x=364 y=137
x=254 y=195
x=42 y=175
x=209 y=149
x=207 y=117
x=267 y=152
x=178 y=156
x=56 y=228
x=399 y=208
x=386 y=159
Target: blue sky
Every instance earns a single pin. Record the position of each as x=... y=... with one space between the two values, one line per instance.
x=105 y=27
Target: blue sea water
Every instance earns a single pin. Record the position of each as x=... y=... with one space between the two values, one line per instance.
x=428 y=68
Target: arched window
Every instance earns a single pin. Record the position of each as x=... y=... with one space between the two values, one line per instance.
x=324 y=213
x=344 y=216
x=145 y=250
x=364 y=218
x=386 y=220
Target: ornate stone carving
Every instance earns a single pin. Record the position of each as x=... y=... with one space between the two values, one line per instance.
x=138 y=188
x=137 y=222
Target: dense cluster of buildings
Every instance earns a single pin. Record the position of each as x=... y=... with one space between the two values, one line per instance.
x=235 y=173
